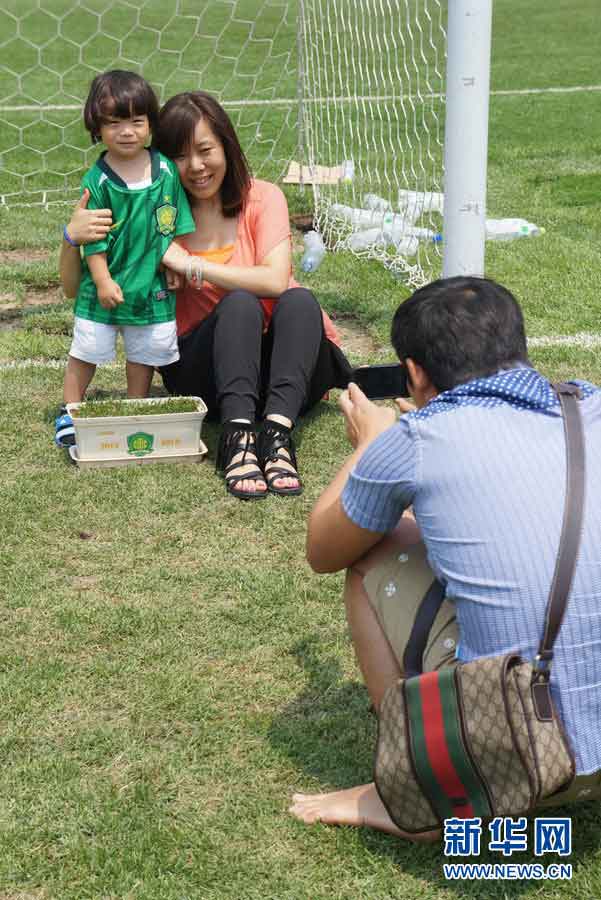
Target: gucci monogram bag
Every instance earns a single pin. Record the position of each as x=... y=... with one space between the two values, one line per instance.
x=482 y=738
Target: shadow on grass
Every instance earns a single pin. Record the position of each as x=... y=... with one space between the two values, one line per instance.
x=327 y=729
x=329 y=732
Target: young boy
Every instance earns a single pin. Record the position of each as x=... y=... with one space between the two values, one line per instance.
x=121 y=287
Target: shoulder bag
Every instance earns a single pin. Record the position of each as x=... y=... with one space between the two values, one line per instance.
x=482 y=738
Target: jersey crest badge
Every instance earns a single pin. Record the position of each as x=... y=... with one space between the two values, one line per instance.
x=166 y=216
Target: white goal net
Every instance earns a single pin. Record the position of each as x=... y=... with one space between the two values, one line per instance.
x=242 y=51
x=373 y=101
x=350 y=86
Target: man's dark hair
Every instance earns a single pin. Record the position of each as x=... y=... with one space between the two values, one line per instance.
x=178 y=119
x=460 y=328
x=121 y=95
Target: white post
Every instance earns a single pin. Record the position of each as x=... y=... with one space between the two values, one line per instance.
x=466 y=136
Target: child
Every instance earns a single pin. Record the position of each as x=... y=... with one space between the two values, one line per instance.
x=121 y=287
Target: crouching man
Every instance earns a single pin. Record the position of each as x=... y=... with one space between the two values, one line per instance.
x=480 y=459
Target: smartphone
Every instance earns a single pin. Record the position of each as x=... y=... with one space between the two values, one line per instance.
x=382 y=382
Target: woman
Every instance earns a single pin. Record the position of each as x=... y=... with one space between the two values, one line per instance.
x=252 y=342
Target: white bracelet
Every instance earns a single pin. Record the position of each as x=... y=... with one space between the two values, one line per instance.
x=194 y=270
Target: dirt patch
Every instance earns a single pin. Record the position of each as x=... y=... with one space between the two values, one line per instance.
x=355 y=342
x=11 y=308
x=23 y=256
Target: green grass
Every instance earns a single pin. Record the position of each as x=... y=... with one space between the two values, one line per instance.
x=170 y=668
x=96 y=408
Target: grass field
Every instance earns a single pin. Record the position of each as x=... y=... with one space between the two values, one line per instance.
x=170 y=668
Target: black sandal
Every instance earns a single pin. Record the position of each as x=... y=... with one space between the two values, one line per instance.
x=237 y=437
x=271 y=441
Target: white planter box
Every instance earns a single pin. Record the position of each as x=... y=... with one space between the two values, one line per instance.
x=118 y=440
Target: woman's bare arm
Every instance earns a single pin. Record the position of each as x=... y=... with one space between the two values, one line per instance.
x=269 y=279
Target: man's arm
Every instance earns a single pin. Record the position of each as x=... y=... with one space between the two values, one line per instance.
x=334 y=541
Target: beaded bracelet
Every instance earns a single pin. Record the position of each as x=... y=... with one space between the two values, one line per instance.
x=194 y=271
x=68 y=239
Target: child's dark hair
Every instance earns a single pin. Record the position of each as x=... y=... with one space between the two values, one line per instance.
x=122 y=95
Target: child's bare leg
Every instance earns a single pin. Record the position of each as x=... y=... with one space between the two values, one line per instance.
x=139 y=379
x=78 y=376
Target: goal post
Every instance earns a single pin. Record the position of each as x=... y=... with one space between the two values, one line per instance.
x=466 y=136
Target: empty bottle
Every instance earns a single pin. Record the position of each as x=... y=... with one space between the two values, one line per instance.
x=314 y=252
x=348 y=171
x=363 y=240
x=418 y=202
x=373 y=201
x=509 y=229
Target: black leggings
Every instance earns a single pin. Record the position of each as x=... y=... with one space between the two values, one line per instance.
x=242 y=373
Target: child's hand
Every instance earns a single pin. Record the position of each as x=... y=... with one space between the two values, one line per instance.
x=109 y=294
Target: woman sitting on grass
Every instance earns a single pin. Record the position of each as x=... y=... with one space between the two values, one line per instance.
x=252 y=342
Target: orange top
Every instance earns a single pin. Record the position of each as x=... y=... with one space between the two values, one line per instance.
x=262 y=225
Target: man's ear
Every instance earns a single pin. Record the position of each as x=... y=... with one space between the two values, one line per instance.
x=420 y=381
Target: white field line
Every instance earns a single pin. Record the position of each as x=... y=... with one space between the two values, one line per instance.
x=582 y=340
x=370 y=98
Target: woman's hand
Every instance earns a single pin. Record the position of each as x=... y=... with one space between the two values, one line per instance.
x=88 y=225
x=364 y=420
x=173 y=280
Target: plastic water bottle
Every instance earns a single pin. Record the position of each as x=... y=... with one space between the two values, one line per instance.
x=348 y=171
x=360 y=218
x=314 y=252
x=407 y=245
x=509 y=229
x=372 y=201
x=363 y=240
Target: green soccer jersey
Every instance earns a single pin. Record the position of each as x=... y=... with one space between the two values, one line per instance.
x=145 y=221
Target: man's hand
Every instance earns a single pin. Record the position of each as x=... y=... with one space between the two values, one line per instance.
x=109 y=293
x=364 y=420
x=404 y=405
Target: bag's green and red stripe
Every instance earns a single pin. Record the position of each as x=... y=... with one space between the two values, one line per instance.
x=443 y=766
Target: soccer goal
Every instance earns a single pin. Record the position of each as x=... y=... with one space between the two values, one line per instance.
x=345 y=98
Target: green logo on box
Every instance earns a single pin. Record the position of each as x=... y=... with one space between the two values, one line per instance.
x=140 y=443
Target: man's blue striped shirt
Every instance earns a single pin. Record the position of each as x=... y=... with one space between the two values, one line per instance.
x=486 y=479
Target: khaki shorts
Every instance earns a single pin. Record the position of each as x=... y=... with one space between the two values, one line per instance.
x=395 y=588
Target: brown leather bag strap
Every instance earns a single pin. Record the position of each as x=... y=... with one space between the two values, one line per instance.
x=564 y=565
x=571 y=527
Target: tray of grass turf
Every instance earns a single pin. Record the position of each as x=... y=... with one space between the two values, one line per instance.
x=121 y=432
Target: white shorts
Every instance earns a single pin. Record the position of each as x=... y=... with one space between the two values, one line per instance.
x=150 y=345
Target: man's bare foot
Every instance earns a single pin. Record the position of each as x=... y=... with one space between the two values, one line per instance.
x=359 y=806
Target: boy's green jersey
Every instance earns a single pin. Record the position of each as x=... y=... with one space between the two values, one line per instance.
x=145 y=221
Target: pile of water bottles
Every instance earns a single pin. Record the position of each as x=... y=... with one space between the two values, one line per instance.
x=377 y=225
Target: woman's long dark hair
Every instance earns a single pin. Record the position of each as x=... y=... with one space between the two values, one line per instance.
x=175 y=132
